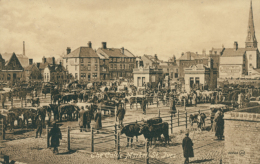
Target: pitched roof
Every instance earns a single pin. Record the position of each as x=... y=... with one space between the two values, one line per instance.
x=24 y=60
x=192 y=56
x=231 y=60
x=28 y=68
x=43 y=65
x=128 y=53
x=56 y=68
x=232 y=52
x=82 y=52
x=113 y=52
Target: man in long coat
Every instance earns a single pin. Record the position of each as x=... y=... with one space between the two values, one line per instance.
x=120 y=114
x=219 y=122
x=187 y=148
x=82 y=119
x=144 y=105
x=87 y=120
x=39 y=127
x=98 y=121
x=55 y=135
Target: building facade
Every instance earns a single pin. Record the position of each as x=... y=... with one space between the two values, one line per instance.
x=31 y=72
x=116 y=63
x=83 y=64
x=147 y=76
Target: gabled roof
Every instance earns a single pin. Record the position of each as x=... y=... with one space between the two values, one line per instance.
x=113 y=52
x=192 y=56
x=29 y=67
x=43 y=65
x=13 y=63
x=56 y=68
x=24 y=60
x=82 y=52
x=232 y=52
x=128 y=53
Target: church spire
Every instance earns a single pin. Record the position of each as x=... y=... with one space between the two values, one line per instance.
x=251 y=41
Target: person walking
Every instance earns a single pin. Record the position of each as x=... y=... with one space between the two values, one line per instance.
x=55 y=135
x=120 y=114
x=82 y=120
x=39 y=126
x=97 y=119
x=187 y=147
x=219 y=122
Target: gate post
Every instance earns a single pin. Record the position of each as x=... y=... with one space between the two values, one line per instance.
x=186 y=119
x=178 y=118
x=68 y=138
x=171 y=123
x=136 y=102
x=92 y=140
x=159 y=113
x=47 y=132
x=118 y=146
x=147 y=152
x=115 y=134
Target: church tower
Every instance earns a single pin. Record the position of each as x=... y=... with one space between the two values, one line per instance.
x=251 y=41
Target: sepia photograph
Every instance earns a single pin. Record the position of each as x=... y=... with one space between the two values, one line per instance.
x=129 y=82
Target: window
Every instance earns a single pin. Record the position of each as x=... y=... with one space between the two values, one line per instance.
x=115 y=66
x=76 y=75
x=89 y=77
x=191 y=82
x=66 y=67
x=177 y=70
x=250 y=64
x=96 y=60
x=118 y=59
x=114 y=59
x=124 y=66
x=89 y=60
x=94 y=75
x=176 y=75
x=82 y=67
x=66 y=60
x=120 y=66
x=197 y=80
x=111 y=66
x=81 y=60
x=171 y=74
x=123 y=59
x=250 y=57
x=75 y=60
x=130 y=59
x=110 y=59
x=89 y=67
x=76 y=67
x=153 y=78
x=83 y=76
x=96 y=67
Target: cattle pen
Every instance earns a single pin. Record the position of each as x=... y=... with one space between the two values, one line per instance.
x=109 y=143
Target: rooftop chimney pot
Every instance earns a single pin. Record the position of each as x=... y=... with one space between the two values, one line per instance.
x=68 y=50
x=89 y=44
x=104 y=45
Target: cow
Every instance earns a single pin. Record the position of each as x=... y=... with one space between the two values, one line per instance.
x=68 y=97
x=41 y=112
x=198 y=118
x=133 y=101
x=56 y=98
x=29 y=114
x=68 y=109
x=35 y=101
x=130 y=130
x=55 y=109
x=154 y=120
x=155 y=131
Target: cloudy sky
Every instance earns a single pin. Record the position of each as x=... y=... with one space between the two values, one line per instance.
x=162 y=27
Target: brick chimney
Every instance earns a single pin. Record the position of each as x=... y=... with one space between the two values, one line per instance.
x=104 y=45
x=44 y=60
x=30 y=61
x=89 y=44
x=68 y=50
x=122 y=50
x=23 y=48
x=38 y=65
x=53 y=60
x=235 y=46
x=204 y=52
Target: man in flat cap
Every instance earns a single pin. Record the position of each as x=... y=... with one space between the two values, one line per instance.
x=187 y=147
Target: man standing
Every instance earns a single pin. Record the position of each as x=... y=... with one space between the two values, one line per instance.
x=82 y=120
x=87 y=116
x=219 y=122
x=55 y=135
x=187 y=148
x=39 y=126
x=98 y=121
x=120 y=114
x=144 y=105
x=172 y=107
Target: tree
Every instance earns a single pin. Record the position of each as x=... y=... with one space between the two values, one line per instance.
x=35 y=74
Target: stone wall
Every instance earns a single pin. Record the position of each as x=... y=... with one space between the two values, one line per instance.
x=242 y=137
